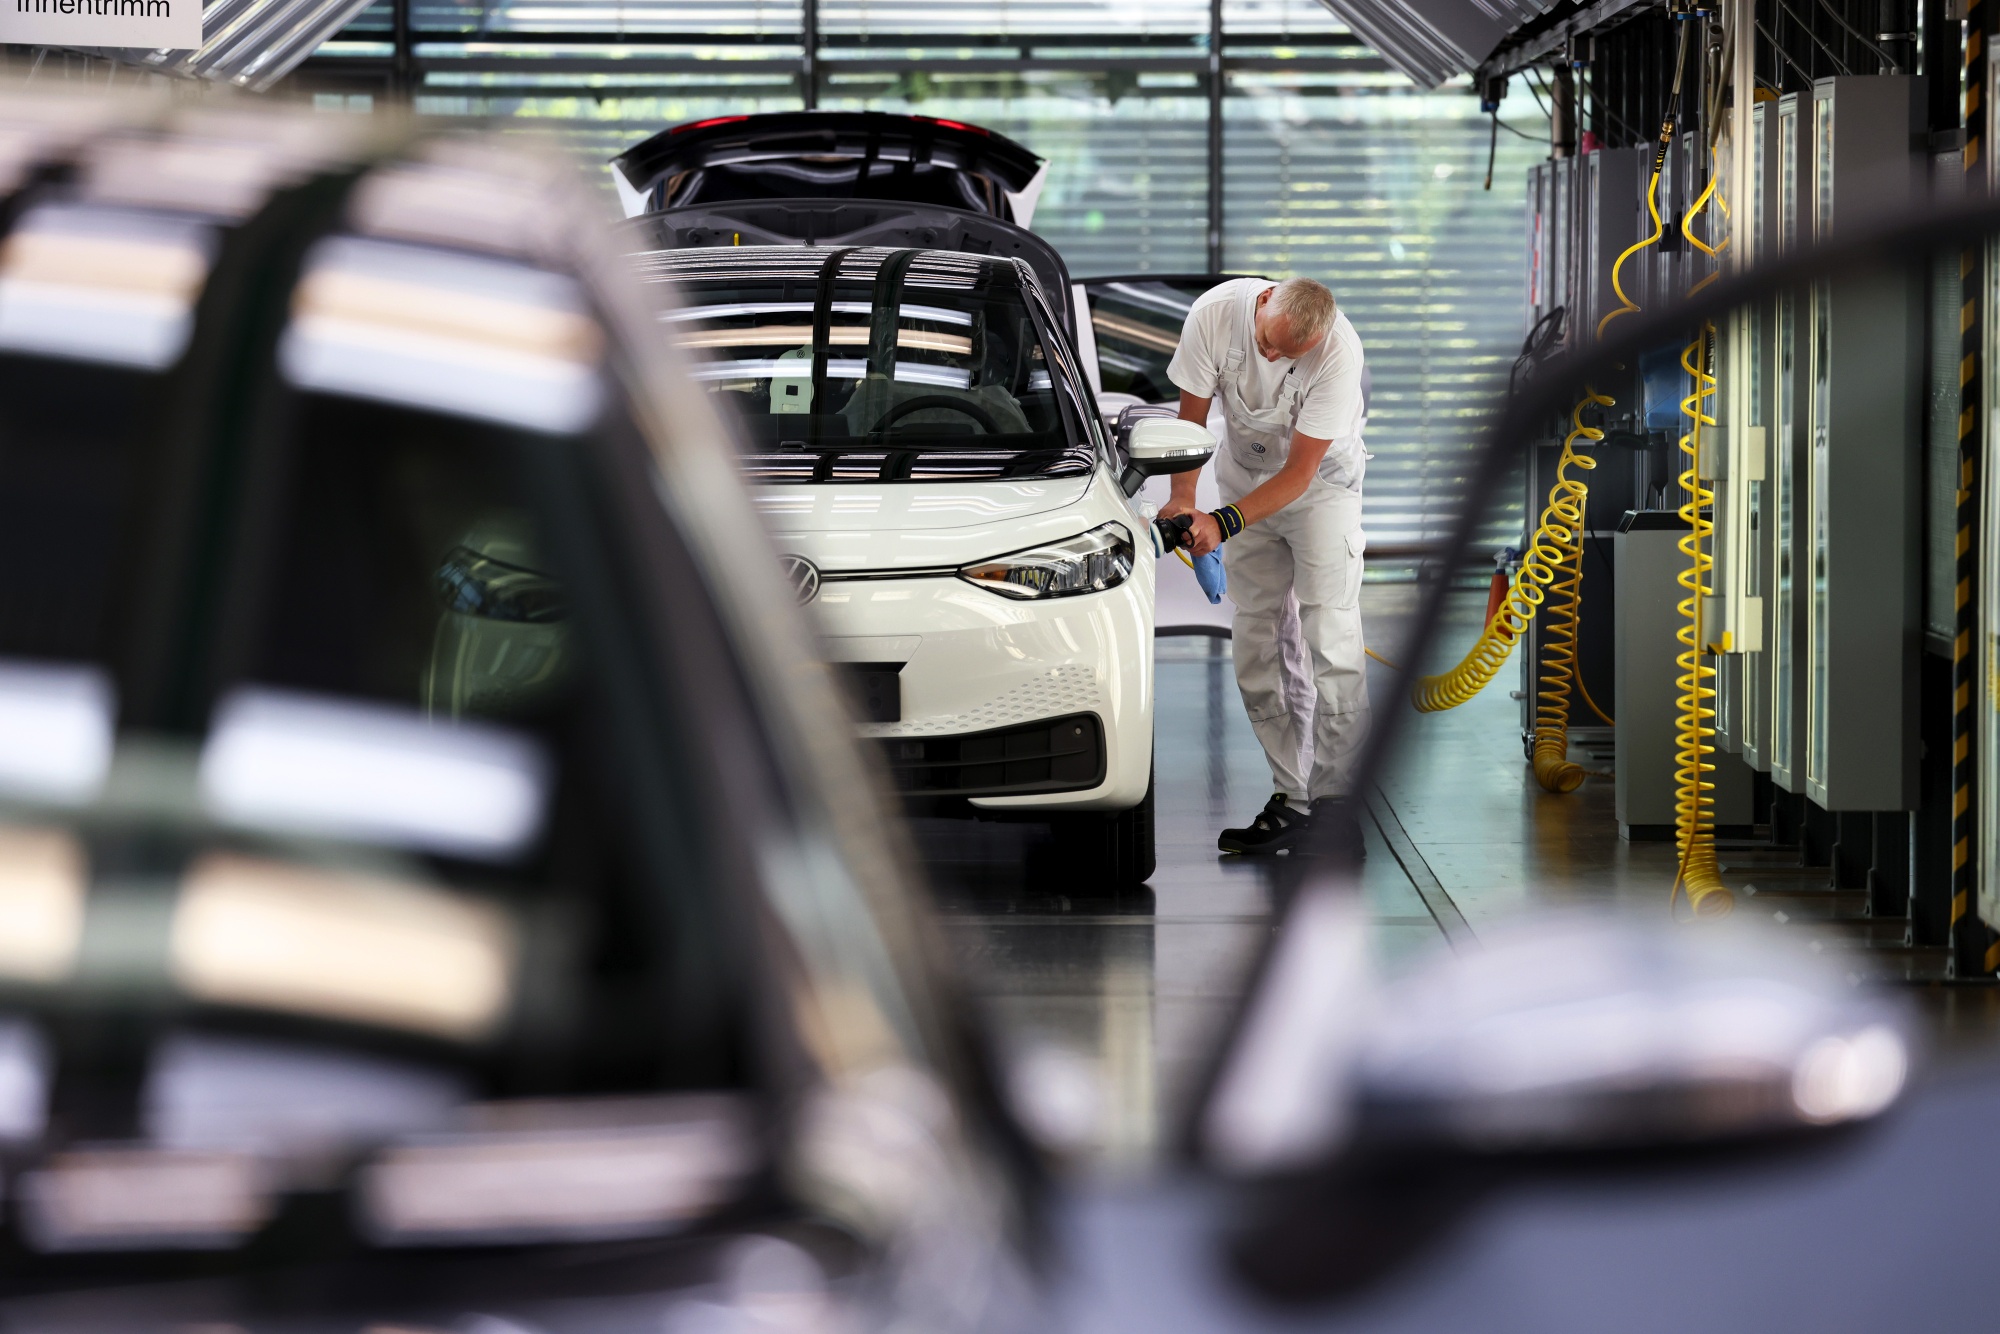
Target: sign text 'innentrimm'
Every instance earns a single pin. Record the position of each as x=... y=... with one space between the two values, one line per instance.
x=143 y=23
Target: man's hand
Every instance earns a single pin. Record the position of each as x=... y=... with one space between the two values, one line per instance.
x=1204 y=535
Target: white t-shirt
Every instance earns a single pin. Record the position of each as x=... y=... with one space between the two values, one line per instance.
x=1325 y=387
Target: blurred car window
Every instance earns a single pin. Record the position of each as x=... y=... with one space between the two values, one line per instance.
x=1137 y=323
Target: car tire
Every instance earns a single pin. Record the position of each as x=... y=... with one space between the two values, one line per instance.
x=1116 y=850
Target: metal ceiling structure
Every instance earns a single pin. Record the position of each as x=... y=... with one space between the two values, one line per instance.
x=247 y=44
x=1429 y=41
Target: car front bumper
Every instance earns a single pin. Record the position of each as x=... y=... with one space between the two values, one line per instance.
x=996 y=674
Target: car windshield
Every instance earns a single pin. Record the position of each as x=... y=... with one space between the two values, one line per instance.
x=875 y=365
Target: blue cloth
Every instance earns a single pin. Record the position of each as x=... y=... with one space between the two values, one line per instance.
x=1209 y=574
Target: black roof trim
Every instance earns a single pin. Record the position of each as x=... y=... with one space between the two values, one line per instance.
x=1216 y=279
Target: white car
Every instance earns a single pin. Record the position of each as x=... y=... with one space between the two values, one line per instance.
x=932 y=465
x=929 y=452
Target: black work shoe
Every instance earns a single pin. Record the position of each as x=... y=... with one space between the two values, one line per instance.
x=1277 y=827
x=1337 y=836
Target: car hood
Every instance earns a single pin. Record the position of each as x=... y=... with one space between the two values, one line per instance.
x=906 y=526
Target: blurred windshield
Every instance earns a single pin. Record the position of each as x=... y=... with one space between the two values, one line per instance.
x=874 y=365
x=388 y=607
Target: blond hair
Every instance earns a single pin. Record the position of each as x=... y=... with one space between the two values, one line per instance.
x=1308 y=307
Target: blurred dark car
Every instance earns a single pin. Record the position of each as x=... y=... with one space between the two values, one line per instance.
x=437 y=887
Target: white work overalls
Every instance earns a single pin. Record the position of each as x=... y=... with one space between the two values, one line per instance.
x=1296 y=581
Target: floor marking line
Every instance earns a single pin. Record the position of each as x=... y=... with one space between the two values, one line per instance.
x=1457 y=931
x=1093 y=919
x=1057 y=919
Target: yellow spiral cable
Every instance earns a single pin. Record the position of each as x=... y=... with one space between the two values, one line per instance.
x=1553 y=769
x=1547 y=551
x=1694 y=822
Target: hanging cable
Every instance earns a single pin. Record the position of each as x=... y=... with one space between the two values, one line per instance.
x=1687 y=225
x=1839 y=65
x=1541 y=566
x=1553 y=769
x=1698 y=874
x=1626 y=305
x=1880 y=54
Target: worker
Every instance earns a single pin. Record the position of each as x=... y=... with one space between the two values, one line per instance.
x=1287 y=367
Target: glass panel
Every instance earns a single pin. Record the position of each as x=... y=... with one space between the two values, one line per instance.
x=1127 y=188
x=1784 y=611
x=1381 y=197
x=1986 y=646
x=1817 y=636
x=895 y=19
x=1816 y=607
x=707 y=18
x=1285 y=18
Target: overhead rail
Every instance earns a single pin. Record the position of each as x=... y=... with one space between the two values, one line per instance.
x=1536 y=46
x=1429 y=41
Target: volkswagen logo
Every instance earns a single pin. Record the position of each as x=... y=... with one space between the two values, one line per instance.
x=803 y=576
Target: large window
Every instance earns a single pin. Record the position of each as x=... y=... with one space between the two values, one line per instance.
x=1328 y=163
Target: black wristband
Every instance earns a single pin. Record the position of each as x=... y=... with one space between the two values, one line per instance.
x=1229 y=519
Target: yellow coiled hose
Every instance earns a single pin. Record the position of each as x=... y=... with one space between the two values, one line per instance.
x=1694 y=820
x=1553 y=769
x=1561 y=525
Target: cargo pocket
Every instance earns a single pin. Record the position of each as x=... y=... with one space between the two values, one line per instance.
x=1350 y=591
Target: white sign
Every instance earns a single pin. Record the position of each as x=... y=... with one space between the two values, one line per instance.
x=153 y=24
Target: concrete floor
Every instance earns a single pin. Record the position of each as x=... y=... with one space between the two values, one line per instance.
x=1133 y=986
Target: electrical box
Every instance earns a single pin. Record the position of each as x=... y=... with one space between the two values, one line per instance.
x=1742 y=482
x=1987 y=651
x=1985 y=702
x=1562 y=211
x=1941 y=478
x=1648 y=563
x=1551 y=228
x=1863 y=410
x=1789 y=553
x=1608 y=181
x=1540 y=227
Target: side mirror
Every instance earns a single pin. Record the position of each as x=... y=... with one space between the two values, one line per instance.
x=1562 y=1032
x=1156 y=443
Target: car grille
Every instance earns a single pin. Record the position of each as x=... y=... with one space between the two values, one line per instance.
x=1056 y=755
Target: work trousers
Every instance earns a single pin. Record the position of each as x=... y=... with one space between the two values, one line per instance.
x=1300 y=657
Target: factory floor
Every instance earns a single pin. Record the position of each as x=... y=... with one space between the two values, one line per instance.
x=1132 y=986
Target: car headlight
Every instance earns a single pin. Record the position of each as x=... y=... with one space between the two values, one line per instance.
x=1088 y=563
